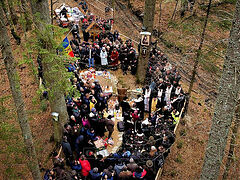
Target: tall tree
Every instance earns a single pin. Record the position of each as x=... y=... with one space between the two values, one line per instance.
x=14 y=82
x=225 y=104
x=41 y=13
x=235 y=128
x=148 y=22
x=149 y=13
x=196 y=62
x=10 y=22
x=27 y=15
x=13 y=13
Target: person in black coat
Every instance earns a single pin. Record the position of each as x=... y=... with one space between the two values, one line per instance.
x=125 y=109
x=75 y=32
x=97 y=57
x=86 y=36
x=67 y=150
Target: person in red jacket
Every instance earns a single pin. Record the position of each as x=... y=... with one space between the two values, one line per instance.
x=86 y=167
x=135 y=119
x=114 y=57
x=139 y=173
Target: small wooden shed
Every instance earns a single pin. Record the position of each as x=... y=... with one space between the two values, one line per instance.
x=94 y=29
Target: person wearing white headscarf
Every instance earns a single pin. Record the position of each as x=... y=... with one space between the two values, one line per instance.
x=103 y=56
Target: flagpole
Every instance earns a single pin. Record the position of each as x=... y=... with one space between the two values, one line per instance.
x=68 y=33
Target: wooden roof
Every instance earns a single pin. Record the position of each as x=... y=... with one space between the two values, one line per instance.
x=92 y=25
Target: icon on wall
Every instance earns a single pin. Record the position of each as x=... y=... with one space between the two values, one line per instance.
x=144 y=51
x=145 y=38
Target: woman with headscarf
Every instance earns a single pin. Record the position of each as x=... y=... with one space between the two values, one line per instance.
x=103 y=56
x=114 y=57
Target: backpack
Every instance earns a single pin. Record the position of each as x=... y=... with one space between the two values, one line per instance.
x=120 y=126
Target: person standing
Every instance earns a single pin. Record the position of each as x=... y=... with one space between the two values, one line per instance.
x=135 y=119
x=75 y=32
x=91 y=56
x=114 y=57
x=147 y=94
x=154 y=105
x=67 y=150
x=103 y=56
x=97 y=57
x=86 y=167
x=110 y=126
x=125 y=109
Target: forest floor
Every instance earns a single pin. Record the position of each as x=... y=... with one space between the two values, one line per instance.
x=187 y=153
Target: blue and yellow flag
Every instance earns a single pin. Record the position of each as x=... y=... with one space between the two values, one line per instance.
x=67 y=47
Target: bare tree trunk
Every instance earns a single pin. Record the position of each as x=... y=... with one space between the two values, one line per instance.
x=149 y=13
x=194 y=72
x=148 y=22
x=225 y=104
x=13 y=78
x=56 y=99
x=9 y=20
x=42 y=8
x=233 y=140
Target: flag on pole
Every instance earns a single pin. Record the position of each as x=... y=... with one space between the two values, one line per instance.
x=67 y=47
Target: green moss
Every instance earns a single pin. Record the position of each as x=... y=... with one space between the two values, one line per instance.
x=10 y=173
x=173 y=24
x=208 y=63
x=224 y=24
x=7 y=130
x=229 y=1
x=180 y=144
x=179 y=159
x=43 y=105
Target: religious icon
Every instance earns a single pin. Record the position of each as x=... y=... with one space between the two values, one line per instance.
x=144 y=51
x=145 y=38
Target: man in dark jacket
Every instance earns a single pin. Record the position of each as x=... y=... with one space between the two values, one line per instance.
x=119 y=167
x=67 y=150
x=95 y=175
x=132 y=166
x=110 y=126
x=125 y=109
x=97 y=55
x=75 y=32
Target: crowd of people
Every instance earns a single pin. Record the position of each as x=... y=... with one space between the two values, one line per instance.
x=163 y=82
x=148 y=124
x=107 y=50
